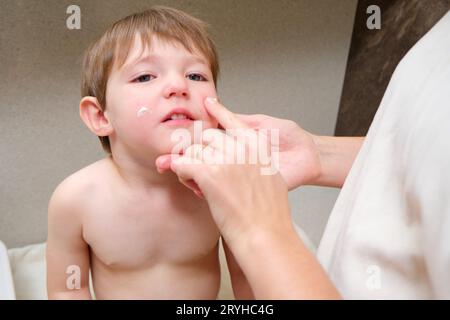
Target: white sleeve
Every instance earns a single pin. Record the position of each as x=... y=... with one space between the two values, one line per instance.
x=431 y=199
x=427 y=154
x=427 y=178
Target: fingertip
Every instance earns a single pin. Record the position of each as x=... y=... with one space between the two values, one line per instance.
x=210 y=101
x=159 y=169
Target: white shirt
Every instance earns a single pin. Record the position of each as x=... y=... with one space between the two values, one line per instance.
x=388 y=236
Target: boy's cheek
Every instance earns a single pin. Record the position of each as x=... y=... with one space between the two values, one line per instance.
x=136 y=115
x=134 y=123
x=209 y=121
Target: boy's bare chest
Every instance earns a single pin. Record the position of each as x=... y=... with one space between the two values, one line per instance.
x=141 y=233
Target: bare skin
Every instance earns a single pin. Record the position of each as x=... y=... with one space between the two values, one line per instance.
x=257 y=225
x=146 y=244
x=305 y=159
x=143 y=235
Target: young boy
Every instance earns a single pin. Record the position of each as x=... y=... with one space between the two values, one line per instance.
x=143 y=235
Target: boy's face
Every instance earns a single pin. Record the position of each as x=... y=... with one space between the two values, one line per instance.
x=155 y=92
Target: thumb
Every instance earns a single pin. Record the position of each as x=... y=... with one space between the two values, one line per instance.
x=187 y=170
x=163 y=162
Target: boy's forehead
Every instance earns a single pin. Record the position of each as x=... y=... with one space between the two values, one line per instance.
x=142 y=51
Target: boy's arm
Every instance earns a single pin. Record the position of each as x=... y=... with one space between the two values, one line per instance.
x=241 y=287
x=67 y=253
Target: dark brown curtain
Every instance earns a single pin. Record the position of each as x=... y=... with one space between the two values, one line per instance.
x=374 y=54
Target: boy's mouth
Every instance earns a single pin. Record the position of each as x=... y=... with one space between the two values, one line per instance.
x=178 y=116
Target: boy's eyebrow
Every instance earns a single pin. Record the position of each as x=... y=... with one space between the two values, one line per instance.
x=146 y=58
x=153 y=58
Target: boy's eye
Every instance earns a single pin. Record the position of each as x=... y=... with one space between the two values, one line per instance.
x=196 y=77
x=144 y=78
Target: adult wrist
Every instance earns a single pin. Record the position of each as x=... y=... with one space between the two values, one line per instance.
x=277 y=255
x=336 y=157
x=321 y=146
x=259 y=241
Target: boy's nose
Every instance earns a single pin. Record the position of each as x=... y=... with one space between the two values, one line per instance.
x=176 y=87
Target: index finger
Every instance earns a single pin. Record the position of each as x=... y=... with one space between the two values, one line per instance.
x=226 y=118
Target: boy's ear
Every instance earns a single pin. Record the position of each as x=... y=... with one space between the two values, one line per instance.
x=94 y=118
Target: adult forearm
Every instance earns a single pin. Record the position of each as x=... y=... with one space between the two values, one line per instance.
x=281 y=267
x=337 y=155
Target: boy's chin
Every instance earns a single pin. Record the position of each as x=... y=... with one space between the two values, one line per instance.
x=175 y=143
x=163 y=147
x=189 y=125
x=173 y=149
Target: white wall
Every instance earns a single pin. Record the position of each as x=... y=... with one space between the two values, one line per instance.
x=285 y=58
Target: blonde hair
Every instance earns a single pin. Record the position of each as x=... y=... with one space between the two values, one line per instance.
x=112 y=48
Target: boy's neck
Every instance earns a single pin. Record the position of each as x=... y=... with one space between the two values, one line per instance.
x=141 y=174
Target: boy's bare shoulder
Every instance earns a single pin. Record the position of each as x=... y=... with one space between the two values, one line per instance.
x=75 y=191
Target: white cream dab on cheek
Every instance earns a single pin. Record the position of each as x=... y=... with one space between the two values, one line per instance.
x=142 y=111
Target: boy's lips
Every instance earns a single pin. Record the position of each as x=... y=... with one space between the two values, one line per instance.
x=177 y=117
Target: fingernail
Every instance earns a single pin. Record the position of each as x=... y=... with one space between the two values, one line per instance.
x=210 y=100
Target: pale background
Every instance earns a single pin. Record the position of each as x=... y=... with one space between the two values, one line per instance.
x=279 y=57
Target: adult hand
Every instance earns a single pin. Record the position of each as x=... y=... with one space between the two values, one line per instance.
x=251 y=210
x=307 y=159
x=241 y=197
x=299 y=161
